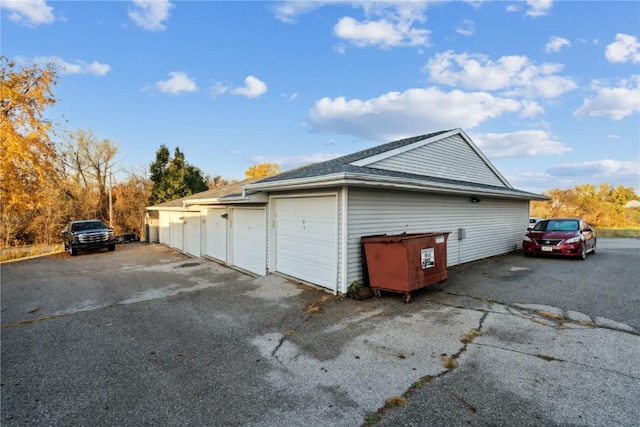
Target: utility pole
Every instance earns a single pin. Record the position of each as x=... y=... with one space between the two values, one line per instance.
x=110 y=200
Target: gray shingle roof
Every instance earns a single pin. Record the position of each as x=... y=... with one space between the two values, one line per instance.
x=343 y=165
x=215 y=193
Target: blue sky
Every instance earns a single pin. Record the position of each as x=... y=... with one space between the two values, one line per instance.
x=549 y=90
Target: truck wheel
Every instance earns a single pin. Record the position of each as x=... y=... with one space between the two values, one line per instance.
x=111 y=248
x=73 y=251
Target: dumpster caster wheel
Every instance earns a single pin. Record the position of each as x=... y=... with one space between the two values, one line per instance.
x=441 y=286
x=407 y=299
x=377 y=293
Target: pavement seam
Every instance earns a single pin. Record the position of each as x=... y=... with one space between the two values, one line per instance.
x=555 y=359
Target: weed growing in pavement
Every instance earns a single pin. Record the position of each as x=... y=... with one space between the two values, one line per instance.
x=449 y=362
x=469 y=336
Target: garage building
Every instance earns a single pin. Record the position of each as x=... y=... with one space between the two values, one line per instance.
x=307 y=223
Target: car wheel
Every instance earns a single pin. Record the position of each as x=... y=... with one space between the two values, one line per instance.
x=583 y=252
x=73 y=251
x=593 y=250
x=111 y=248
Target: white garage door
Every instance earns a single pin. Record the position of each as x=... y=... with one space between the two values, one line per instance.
x=217 y=234
x=193 y=236
x=249 y=239
x=177 y=230
x=165 y=228
x=306 y=239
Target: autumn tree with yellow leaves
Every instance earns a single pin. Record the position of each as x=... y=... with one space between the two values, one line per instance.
x=28 y=157
x=262 y=170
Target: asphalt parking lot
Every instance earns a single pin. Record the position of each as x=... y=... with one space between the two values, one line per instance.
x=148 y=336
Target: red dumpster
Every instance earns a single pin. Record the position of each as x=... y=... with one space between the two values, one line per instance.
x=405 y=262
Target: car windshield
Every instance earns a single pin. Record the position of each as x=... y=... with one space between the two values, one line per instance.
x=558 y=225
x=89 y=225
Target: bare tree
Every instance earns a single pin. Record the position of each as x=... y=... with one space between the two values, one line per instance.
x=88 y=163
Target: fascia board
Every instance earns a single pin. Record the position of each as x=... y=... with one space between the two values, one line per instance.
x=404 y=184
x=201 y=201
x=364 y=180
x=382 y=156
x=312 y=182
x=171 y=208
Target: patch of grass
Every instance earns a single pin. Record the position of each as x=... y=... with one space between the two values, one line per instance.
x=469 y=336
x=18 y=252
x=372 y=419
x=395 y=402
x=547 y=358
x=632 y=232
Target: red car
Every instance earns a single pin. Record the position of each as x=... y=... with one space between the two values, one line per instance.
x=560 y=236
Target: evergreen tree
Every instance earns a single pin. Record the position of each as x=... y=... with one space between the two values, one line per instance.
x=174 y=177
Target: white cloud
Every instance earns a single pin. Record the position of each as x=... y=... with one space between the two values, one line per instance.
x=615 y=103
x=626 y=48
x=179 y=82
x=287 y=11
x=81 y=67
x=30 y=12
x=526 y=143
x=380 y=33
x=253 y=88
x=467 y=28
x=515 y=74
x=539 y=7
x=384 y=24
x=78 y=67
x=150 y=14
x=601 y=169
x=556 y=44
x=291 y=162
x=397 y=115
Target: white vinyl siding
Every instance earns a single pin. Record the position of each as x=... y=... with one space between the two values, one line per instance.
x=450 y=158
x=216 y=234
x=305 y=238
x=492 y=227
x=249 y=239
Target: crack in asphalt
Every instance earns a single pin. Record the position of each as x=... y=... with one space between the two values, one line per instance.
x=534 y=313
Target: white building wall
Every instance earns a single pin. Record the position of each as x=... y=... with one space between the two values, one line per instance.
x=450 y=158
x=492 y=227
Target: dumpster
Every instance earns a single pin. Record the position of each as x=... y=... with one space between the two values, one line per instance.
x=405 y=262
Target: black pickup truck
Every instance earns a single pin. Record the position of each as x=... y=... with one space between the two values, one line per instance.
x=88 y=235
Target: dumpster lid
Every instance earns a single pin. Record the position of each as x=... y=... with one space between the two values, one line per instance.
x=393 y=238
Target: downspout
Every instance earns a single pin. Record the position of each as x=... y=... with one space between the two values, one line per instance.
x=344 y=238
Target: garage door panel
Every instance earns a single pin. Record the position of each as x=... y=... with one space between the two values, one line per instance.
x=249 y=240
x=306 y=239
x=193 y=235
x=217 y=234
